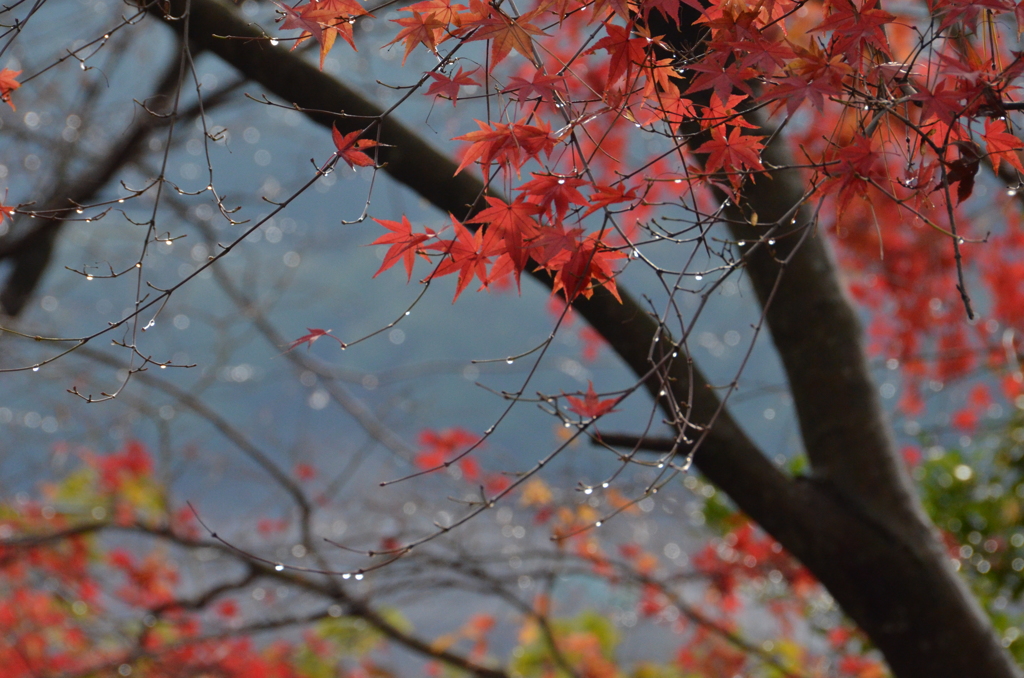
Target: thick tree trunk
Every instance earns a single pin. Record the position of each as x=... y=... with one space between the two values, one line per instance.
x=855 y=522
x=865 y=534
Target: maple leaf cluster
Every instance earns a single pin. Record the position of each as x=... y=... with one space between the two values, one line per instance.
x=887 y=132
x=324 y=21
x=542 y=225
x=436 y=21
x=56 y=625
x=513 y=239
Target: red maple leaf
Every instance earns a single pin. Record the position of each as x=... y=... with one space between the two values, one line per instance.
x=336 y=17
x=620 y=7
x=542 y=85
x=8 y=84
x=313 y=335
x=859 y=165
x=6 y=212
x=581 y=268
x=1002 y=145
x=503 y=143
x=331 y=12
x=940 y=102
x=968 y=66
x=323 y=20
x=723 y=112
x=552 y=245
x=560 y=8
x=625 y=52
x=763 y=54
x=350 y=148
x=419 y=29
x=660 y=75
x=590 y=406
x=442 y=11
x=294 y=20
x=404 y=244
x=469 y=254
x=736 y=154
x=668 y=9
x=449 y=87
x=515 y=223
x=552 y=189
x=963 y=170
x=487 y=144
x=506 y=33
x=822 y=71
x=665 y=104
x=793 y=91
x=721 y=75
x=853 y=28
x=967 y=11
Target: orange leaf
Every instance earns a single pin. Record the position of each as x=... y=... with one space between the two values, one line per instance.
x=350 y=148
x=7 y=85
x=469 y=254
x=504 y=32
x=336 y=17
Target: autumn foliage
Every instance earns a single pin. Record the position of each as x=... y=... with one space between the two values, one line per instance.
x=611 y=136
x=892 y=118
